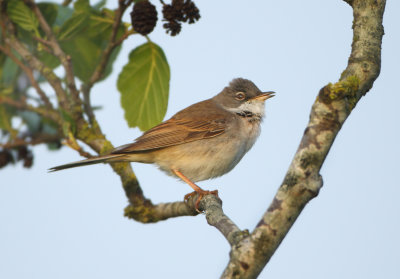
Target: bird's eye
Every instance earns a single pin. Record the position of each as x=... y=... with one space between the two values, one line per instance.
x=240 y=96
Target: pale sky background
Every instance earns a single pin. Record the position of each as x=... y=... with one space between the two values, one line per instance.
x=70 y=224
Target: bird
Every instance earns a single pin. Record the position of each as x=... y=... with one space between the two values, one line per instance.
x=203 y=141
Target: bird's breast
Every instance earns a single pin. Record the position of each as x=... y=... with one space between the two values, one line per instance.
x=211 y=157
x=250 y=130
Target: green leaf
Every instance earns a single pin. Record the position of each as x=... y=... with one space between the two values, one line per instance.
x=144 y=86
x=49 y=128
x=64 y=13
x=23 y=16
x=10 y=72
x=102 y=39
x=32 y=120
x=85 y=55
x=86 y=48
x=100 y=26
x=5 y=119
x=53 y=146
x=74 y=26
x=26 y=37
x=113 y=56
x=99 y=5
x=82 y=6
x=48 y=59
x=49 y=11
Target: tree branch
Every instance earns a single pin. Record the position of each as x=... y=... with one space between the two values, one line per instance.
x=31 y=140
x=143 y=209
x=64 y=59
x=217 y=218
x=99 y=71
x=149 y=213
x=303 y=181
x=350 y=2
x=45 y=44
x=123 y=38
x=20 y=104
x=35 y=63
x=90 y=135
x=97 y=74
x=72 y=143
x=29 y=74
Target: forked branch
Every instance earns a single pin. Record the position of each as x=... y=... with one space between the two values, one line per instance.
x=303 y=181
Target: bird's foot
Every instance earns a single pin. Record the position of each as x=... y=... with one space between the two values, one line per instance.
x=200 y=194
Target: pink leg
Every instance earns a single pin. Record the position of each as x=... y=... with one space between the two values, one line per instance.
x=197 y=190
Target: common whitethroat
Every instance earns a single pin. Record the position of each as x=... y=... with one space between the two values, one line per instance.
x=202 y=141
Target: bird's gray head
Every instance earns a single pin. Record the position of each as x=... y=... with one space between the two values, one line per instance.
x=242 y=96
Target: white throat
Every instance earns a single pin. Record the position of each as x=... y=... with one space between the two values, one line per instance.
x=254 y=106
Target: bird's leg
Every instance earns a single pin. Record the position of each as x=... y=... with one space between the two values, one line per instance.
x=197 y=190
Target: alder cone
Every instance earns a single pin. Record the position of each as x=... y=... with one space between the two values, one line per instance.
x=5 y=158
x=144 y=17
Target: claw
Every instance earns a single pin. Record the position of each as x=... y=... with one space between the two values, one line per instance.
x=197 y=190
x=201 y=194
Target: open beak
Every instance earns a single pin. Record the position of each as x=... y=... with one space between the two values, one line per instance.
x=264 y=96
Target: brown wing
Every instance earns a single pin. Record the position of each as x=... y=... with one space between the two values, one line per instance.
x=199 y=121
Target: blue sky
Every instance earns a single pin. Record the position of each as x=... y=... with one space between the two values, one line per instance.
x=70 y=224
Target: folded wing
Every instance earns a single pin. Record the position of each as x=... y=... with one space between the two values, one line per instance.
x=181 y=128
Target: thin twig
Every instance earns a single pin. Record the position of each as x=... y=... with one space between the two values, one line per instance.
x=31 y=140
x=71 y=143
x=64 y=59
x=45 y=44
x=123 y=37
x=11 y=40
x=35 y=63
x=29 y=74
x=20 y=104
x=99 y=71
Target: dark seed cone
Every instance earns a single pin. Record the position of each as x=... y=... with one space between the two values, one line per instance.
x=191 y=12
x=144 y=17
x=177 y=12
x=22 y=152
x=28 y=161
x=178 y=4
x=173 y=27
x=172 y=13
x=5 y=158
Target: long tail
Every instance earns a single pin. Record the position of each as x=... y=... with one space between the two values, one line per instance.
x=101 y=159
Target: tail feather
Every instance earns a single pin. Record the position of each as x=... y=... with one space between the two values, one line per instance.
x=101 y=159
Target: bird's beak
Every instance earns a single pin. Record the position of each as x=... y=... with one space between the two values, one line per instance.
x=264 y=96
